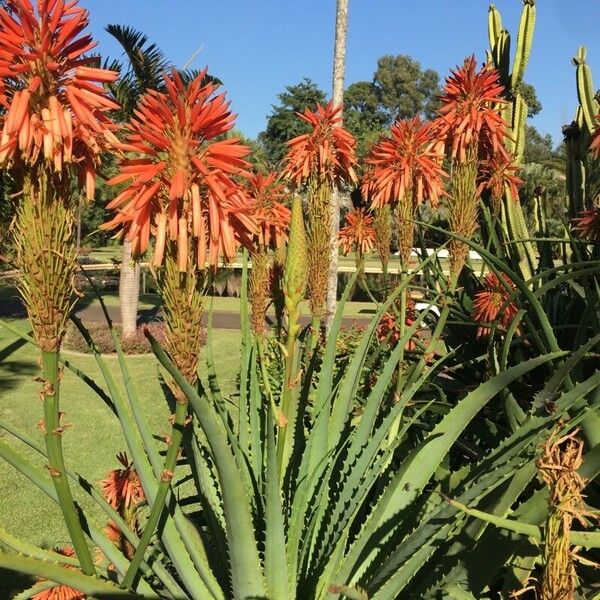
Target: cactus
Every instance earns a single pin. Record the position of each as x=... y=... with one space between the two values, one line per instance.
x=585 y=91
x=577 y=135
x=515 y=115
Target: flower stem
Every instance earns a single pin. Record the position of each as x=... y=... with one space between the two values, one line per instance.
x=56 y=463
x=161 y=494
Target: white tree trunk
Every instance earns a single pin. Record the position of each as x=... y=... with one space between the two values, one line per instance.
x=129 y=291
x=339 y=68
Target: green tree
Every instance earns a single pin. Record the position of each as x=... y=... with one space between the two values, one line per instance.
x=283 y=123
x=364 y=115
x=404 y=89
x=528 y=93
x=400 y=89
x=538 y=147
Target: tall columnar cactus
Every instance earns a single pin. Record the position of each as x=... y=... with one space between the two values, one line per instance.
x=515 y=114
x=577 y=135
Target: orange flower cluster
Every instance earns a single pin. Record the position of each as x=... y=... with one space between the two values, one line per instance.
x=180 y=181
x=409 y=161
x=498 y=173
x=469 y=115
x=595 y=144
x=54 y=98
x=587 y=224
x=122 y=487
x=492 y=303
x=327 y=151
x=272 y=216
x=389 y=330
x=358 y=234
x=59 y=591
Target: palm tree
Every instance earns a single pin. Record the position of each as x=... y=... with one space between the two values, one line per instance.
x=337 y=97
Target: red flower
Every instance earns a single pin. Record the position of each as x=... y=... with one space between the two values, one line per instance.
x=470 y=110
x=595 y=145
x=53 y=95
x=180 y=181
x=326 y=152
x=492 y=303
x=408 y=161
x=498 y=173
x=122 y=487
x=59 y=591
x=587 y=224
x=273 y=217
x=389 y=330
x=358 y=233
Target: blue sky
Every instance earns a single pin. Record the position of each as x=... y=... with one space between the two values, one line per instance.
x=257 y=47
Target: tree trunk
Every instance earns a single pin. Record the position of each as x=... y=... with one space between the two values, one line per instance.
x=129 y=291
x=339 y=67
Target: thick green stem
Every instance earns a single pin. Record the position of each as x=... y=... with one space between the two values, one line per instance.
x=56 y=463
x=163 y=488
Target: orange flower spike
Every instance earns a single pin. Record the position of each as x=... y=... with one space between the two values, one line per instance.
x=492 y=303
x=180 y=180
x=587 y=224
x=408 y=160
x=497 y=173
x=56 y=105
x=470 y=112
x=327 y=151
x=122 y=487
x=358 y=234
x=595 y=143
x=273 y=218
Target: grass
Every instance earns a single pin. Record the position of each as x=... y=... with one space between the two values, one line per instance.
x=92 y=440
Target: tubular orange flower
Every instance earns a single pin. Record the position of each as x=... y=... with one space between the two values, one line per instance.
x=358 y=234
x=122 y=487
x=390 y=330
x=409 y=161
x=179 y=181
x=595 y=144
x=326 y=152
x=273 y=217
x=55 y=101
x=470 y=110
x=496 y=174
x=492 y=303
x=587 y=224
x=59 y=591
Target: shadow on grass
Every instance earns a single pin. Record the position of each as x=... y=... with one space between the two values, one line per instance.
x=12 y=373
x=11 y=583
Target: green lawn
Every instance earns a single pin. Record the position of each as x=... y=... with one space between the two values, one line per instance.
x=93 y=439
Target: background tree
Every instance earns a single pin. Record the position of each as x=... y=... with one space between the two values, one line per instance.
x=283 y=124
x=534 y=106
x=404 y=89
x=400 y=89
x=364 y=115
